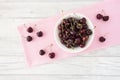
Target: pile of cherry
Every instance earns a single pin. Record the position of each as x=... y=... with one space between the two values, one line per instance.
x=39 y=34
x=74 y=32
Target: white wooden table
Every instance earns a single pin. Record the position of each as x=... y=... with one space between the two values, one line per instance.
x=101 y=64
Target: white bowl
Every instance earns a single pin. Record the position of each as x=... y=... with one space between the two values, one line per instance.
x=77 y=49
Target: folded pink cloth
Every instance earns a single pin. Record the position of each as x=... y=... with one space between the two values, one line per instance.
x=109 y=29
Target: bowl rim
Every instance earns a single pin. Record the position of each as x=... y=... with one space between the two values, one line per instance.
x=78 y=49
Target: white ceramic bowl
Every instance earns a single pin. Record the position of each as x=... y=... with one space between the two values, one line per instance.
x=77 y=49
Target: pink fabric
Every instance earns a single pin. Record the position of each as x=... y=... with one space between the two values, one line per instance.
x=109 y=29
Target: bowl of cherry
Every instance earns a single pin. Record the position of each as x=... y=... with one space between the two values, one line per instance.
x=74 y=32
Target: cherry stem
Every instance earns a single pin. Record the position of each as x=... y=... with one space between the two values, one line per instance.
x=49 y=47
x=94 y=27
x=35 y=26
x=75 y=14
x=62 y=12
x=103 y=12
x=106 y=34
x=23 y=36
x=25 y=26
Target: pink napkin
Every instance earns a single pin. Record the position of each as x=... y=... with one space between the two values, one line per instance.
x=109 y=29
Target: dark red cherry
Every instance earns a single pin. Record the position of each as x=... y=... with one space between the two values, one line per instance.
x=42 y=52
x=29 y=38
x=82 y=45
x=99 y=16
x=30 y=29
x=88 y=32
x=102 y=39
x=40 y=34
x=105 y=18
x=85 y=38
x=52 y=55
x=83 y=20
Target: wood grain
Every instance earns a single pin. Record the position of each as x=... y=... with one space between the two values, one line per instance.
x=101 y=64
x=7 y=1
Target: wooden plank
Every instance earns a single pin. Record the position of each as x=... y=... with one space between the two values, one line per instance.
x=58 y=77
x=72 y=66
x=9 y=1
x=36 y=10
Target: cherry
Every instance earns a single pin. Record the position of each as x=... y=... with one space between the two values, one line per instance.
x=84 y=26
x=82 y=45
x=68 y=46
x=29 y=38
x=88 y=32
x=52 y=55
x=85 y=38
x=105 y=18
x=70 y=19
x=102 y=39
x=83 y=30
x=83 y=20
x=99 y=16
x=62 y=41
x=60 y=35
x=59 y=27
x=30 y=29
x=77 y=40
x=40 y=34
x=42 y=52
